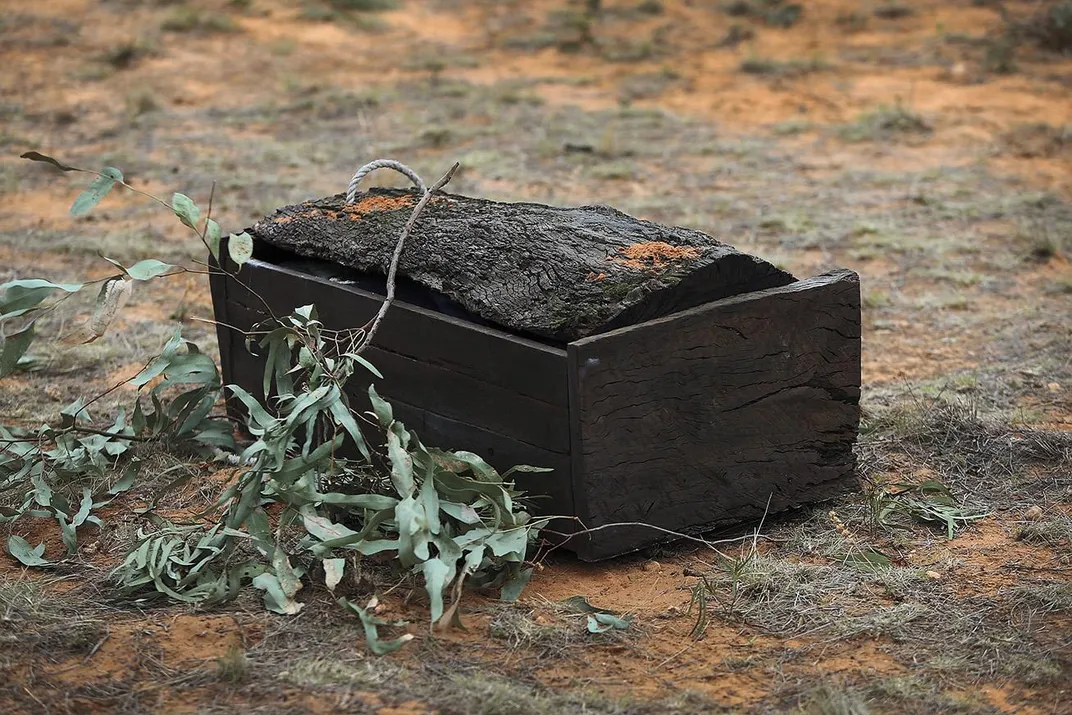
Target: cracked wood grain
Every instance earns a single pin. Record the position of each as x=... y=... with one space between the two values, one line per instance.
x=555 y=273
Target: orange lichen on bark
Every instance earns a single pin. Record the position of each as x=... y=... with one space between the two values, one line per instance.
x=652 y=255
x=311 y=213
x=377 y=204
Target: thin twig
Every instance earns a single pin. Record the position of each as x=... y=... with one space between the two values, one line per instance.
x=392 y=272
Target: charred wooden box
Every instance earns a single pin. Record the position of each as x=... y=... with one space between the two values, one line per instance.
x=665 y=377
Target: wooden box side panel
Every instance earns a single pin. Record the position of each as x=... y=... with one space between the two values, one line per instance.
x=446 y=407
x=694 y=421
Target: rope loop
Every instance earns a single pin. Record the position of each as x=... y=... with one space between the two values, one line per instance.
x=351 y=190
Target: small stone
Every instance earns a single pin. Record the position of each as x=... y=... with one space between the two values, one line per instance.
x=1054 y=387
x=652 y=566
x=1033 y=513
x=934 y=575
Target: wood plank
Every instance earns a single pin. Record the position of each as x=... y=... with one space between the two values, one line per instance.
x=516 y=364
x=437 y=389
x=695 y=420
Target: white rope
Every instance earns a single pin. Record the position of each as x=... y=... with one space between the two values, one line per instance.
x=351 y=190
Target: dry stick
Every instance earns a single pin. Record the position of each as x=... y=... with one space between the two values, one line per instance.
x=374 y=324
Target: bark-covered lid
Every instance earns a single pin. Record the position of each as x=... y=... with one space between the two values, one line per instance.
x=558 y=273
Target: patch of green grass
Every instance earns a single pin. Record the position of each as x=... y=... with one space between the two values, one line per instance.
x=44 y=624
x=874 y=299
x=333 y=671
x=834 y=700
x=851 y=21
x=628 y=50
x=233 y=666
x=784 y=15
x=127 y=54
x=359 y=18
x=782 y=68
x=648 y=84
x=1061 y=285
x=792 y=127
x=614 y=171
x=140 y=100
x=649 y=7
x=1037 y=140
x=999 y=56
x=1049 y=26
x=517 y=628
x=1055 y=532
x=364 y=5
x=774 y=13
x=1048 y=597
x=735 y=35
x=1044 y=239
x=884 y=123
x=188 y=19
x=893 y=11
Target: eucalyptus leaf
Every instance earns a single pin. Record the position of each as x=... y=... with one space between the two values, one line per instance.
x=437 y=575
x=240 y=247
x=511 y=590
x=149 y=268
x=15 y=346
x=381 y=408
x=601 y=622
x=212 y=237
x=27 y=555
x=371 y=625
x=401 y=466
x=21 y=296
x=333 y=572
x=186 y=210
x=96 y=191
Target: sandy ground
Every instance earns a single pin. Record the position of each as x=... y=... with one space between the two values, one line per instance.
x=901 y=143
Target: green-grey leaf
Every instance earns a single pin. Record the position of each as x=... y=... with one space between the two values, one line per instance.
x=240 y=247
x=15 y=346
x=275 y=599
x=383 y=410
x=323 y=528
x=525 y=468
x=341 y=411
x=401 y=466
x=127 y=480
x=436 y=575
x=21 y=296
x=30 y=556
x=372 y=636
x=511 y=590
x=96 y=191
x=149 y=268
x=868 y=559
x=212 y=238
x=333 y=571
x=83 y=509
x=602 y=622
x=581 y=605
x=186 y=210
